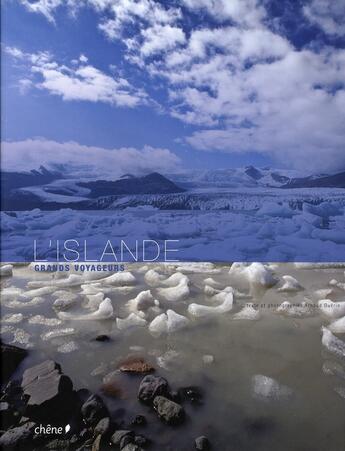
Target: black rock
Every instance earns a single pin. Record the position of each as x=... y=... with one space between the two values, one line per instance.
x=152 y=386
x=139 y=420
x=102 y=338
x=102 y=426
x=57 y=444
x=142 y=441
x=202 y=443
x=7 y=415
x=191 y=394
x=49 y=392
x=18 y=436
x=121 y=438
x=94 y=409
x=11 y=357
x=169 y=411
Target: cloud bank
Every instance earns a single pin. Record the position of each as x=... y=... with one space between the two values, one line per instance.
x=232 y=74
x=77 y=160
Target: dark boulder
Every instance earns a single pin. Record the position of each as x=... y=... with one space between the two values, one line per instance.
x=94 y=409
x=103 y=426
x=49 y=392
x=122 y=438
x=17 y=437
x=169 y=411
x=202 y=443
x=152 y=386
x=11 y=357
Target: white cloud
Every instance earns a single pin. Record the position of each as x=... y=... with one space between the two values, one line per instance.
x=244 y=12
x=327 y=14
x=241 y=83
x=77 y=160
x=45 y=7
x=79 y=82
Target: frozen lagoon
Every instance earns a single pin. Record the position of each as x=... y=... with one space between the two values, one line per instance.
x=272 y=379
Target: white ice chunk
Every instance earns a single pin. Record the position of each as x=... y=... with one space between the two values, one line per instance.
x=6 y=270
x=143 y=301
x=267 y=388
x=94 y=300
x=14 y=318
x=199 y=310
x=175 y=293
x=42 y=320
x=299 y=310
x=57 y=333
x=249 y=312
x=120 y=278
x=153 y=278
x=72 y=280
x=332 y=309
x=338 y=326
x=332 y=343
x=68 y=347
x=175 y=321
x=104 y=311
x=132 y=320
x=257 y=274
x=290 y=284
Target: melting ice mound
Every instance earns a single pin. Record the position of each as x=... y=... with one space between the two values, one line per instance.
x=332 y=343
x=199 y=310
x=168 y=322
x=267 y=388
x=105 y=311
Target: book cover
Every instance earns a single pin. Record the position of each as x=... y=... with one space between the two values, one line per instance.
x=172 y=225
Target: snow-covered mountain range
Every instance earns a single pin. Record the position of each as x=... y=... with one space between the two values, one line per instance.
x=193 y=189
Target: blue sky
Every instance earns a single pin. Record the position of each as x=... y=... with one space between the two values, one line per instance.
x=141 y=84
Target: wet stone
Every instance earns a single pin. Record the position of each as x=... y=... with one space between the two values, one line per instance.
x=169 y=411
x=102 y=426
x=202 y=443
x=152 y=386
x=121 y=438
x=18 y=436
x=136 y=365
x=94 y=409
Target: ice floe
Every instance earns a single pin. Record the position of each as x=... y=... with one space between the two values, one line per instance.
x=56 y=333
x=257 y=274
x=338 y=326
x=168 y=322
x=249 y=312
x=94 y=300
x=332 y=309
x=42 y=320
x=295 y=310
x=199 y=310
x=14 y=318
x=153 y=278
x=290 y=284
x=68 y=347
x=143 y=301
x=6 y=270
x=268 y=389
x=104 y=311
x=132 y=320
x=120 y=278
x=175 y=293
x=332 y=343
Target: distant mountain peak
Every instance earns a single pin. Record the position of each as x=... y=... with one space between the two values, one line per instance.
x=252 y=172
